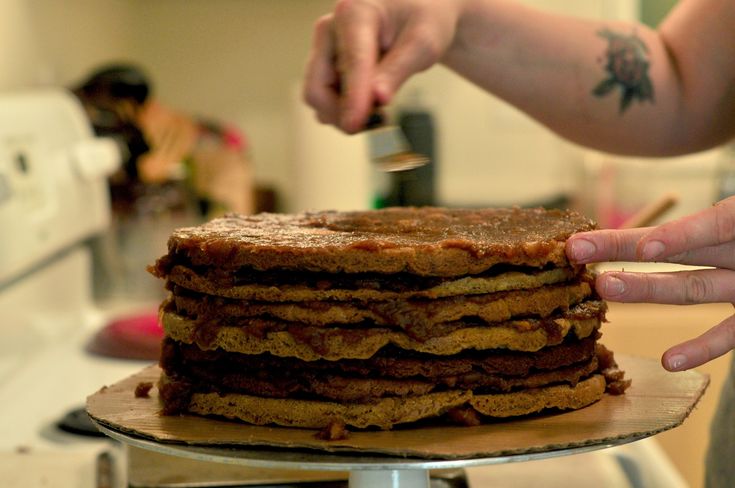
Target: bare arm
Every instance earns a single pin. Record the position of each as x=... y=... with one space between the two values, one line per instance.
x=617 y=87
x=676 y=94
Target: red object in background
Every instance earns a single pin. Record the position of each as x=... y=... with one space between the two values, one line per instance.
x=130 y=337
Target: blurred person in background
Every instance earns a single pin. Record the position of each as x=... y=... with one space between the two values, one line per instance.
x=614 y=86
x=160 y=144
x=176 y=170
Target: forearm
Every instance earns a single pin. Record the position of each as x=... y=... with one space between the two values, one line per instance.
x=555 y=69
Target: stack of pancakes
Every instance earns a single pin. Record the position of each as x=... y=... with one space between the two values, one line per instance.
x=379 y=318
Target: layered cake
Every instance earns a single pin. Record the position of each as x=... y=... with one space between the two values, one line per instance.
x=380 y=318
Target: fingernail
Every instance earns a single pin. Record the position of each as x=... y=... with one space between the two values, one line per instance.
x=614 y=286
x=677 y=362
x=582 y=249
x=652 y=250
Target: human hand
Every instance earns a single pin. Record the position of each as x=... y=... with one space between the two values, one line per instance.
x=706 y=238
x=364 y=51
x=171 y=137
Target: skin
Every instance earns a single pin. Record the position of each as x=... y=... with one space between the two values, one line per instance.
x=551 y=67
x=171 y=137
x=706 y=238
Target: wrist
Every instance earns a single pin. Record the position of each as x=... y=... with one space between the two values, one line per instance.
x=475 y=27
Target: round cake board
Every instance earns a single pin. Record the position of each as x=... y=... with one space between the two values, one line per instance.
x=657 y=401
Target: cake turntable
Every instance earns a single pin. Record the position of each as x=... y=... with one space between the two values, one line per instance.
x=365 y=471
x=402 y=458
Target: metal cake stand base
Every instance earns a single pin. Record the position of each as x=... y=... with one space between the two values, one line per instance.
x=365 y=471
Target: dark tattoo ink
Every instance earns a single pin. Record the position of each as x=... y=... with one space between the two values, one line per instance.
x=627 y=67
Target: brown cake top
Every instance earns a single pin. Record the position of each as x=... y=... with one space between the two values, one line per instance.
x=425 y=241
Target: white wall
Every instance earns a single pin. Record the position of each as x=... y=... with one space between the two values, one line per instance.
x=18 y=46
x=48 y=42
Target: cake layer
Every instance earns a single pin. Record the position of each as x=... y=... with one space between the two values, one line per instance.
x=290 y=286
x=384 y=413
x=259 y=320
x=563 y=397
x=423 y=241
x=365 y=390
x=406 y=314
x=390 y=362
x=234 y=373
x=311 y=343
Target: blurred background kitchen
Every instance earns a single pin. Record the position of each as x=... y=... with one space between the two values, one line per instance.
x=224 y=81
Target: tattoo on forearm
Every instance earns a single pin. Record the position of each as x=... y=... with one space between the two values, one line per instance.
x=626 y=63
